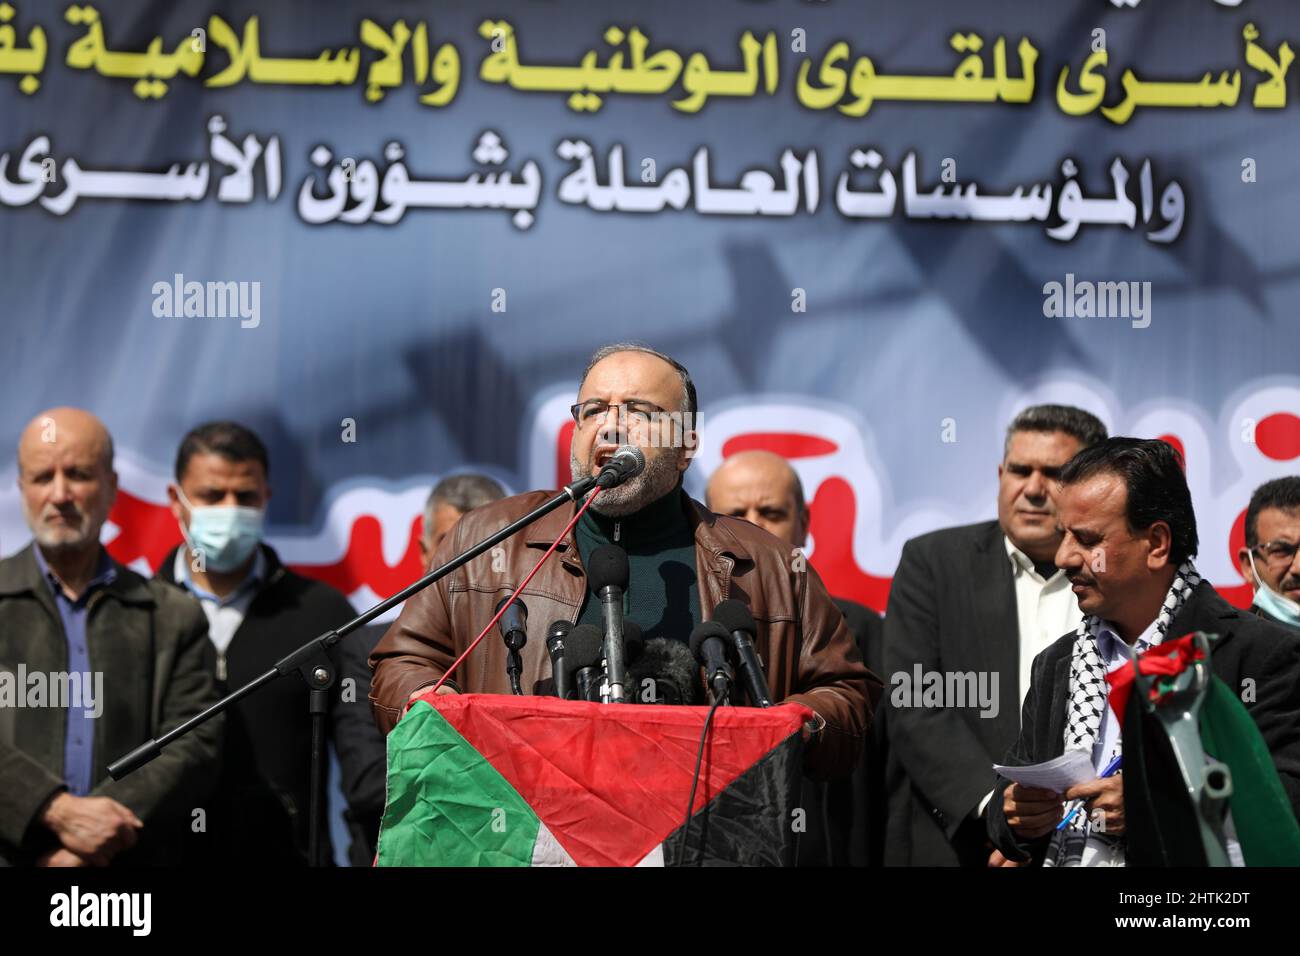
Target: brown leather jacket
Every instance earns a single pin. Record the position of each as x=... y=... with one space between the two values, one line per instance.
x=806 y=648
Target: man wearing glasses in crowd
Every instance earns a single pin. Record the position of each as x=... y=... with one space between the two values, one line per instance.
x=1268 y=561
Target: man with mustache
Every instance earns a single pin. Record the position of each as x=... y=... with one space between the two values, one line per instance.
x=684 y=561
x=67 y=607
x=1128 y=539
x=982 y=599
x=1270 y=560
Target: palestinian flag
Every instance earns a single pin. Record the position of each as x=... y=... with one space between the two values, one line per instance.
x=495 y=780
x=1165 y=827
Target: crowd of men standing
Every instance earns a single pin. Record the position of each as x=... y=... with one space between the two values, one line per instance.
x=1019 y=597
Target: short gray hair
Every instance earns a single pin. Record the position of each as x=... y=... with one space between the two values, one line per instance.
x=462 y=492
x=1075 y=422
x=689 y=401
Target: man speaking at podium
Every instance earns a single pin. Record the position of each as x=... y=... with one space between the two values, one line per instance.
x=684 y=560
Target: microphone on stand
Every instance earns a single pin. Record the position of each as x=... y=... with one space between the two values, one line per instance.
x=736 y=618
x=628 y=461
x=556 y=635
x=607 y=575
x=666 y=674
x=709 y=646
x=514 y=631
x=583 y=650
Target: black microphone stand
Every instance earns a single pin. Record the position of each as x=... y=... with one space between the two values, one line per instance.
x=312 y=662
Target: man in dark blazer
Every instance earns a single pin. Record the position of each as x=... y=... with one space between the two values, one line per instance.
x=1129 y=536
x=974 y=602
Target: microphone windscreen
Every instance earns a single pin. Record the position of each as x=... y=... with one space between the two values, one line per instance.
x=559 y=630
x=667 y=663
x=585 y=647
x=607 y=566
x=633 y=642
x=735 y=616
x=705 y=630
x=636 y=455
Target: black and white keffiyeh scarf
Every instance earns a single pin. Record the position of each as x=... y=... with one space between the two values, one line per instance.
x=1088 y=701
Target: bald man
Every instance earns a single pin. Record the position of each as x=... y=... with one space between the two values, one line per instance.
x=765 y=490
x=94 y=661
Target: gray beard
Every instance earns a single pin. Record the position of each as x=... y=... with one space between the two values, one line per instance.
x=659 y=478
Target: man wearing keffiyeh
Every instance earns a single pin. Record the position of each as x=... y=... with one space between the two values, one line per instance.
x=1129 y=536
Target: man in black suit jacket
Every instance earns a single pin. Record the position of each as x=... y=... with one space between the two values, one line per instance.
x=1129 y=535
x=846 y=818
x=978 y=602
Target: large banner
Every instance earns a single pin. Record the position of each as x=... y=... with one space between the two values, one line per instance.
x=387 y=235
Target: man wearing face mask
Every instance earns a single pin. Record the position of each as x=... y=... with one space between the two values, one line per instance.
x=1270 y=560
x=258 y=611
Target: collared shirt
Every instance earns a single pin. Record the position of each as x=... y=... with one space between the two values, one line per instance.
x=79 y=739
x=1045 y=607
x=224 y=614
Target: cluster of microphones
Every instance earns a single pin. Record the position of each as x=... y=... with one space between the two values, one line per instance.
x=616 y=664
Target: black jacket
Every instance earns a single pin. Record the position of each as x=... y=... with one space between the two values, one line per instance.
x=150 y=644
x=952 y=607
x=846 y=822
x=362 y=752
x=260 y=812
x=1248 y=648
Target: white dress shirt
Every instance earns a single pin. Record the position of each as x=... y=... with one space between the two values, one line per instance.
x=1045 y=607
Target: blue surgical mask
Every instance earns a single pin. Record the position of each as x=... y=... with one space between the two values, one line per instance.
x=1273 y=604
x=224 y=535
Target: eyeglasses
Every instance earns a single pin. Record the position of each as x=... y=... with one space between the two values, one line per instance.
x=595 y=410
x=1278 y=552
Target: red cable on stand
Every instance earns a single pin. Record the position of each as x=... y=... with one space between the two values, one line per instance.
x=492 y=623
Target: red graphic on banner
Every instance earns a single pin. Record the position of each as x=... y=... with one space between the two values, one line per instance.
x=785 y=444
x=363 y=561
x=1278 y=436
x=148 y=531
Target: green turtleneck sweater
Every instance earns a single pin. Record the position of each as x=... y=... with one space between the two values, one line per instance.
x=663 y=595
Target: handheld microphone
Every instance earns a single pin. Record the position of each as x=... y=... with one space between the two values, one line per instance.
x=556 y=635
x=709 y=646
x=666 y=674
x=582 y=654
x=514 y=624
x=607 y=575
x=736 y=618
x=626 y=462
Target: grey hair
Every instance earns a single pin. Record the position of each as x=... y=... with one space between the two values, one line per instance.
x=462 y=492
x=689 y=401
x=1075 y=422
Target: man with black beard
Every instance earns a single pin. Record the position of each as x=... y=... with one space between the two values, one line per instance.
x=684 y=561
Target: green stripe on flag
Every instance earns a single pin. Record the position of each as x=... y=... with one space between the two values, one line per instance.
x=1261 y=811
x=447 y=806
